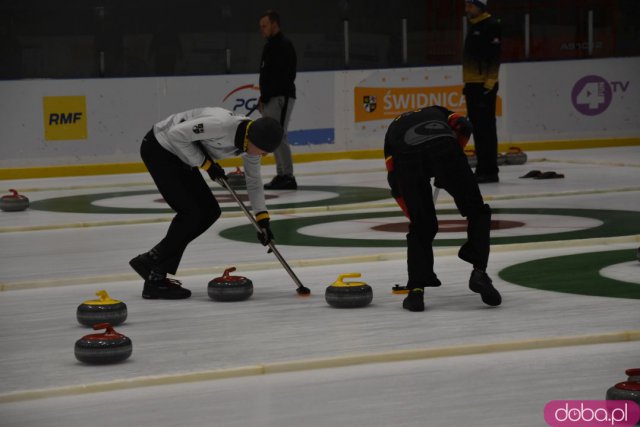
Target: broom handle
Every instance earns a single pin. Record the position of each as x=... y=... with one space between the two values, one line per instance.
x=272 y=246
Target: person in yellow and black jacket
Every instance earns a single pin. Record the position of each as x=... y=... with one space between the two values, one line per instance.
x=480 y=66
x=424 y=144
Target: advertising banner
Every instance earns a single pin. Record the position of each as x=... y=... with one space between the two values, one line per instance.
x=88 y=121
x=573 y=99
x=65 y=117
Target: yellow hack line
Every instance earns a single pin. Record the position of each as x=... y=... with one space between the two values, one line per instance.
x=323 y=363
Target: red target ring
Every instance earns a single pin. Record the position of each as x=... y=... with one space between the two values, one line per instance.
x=447 y=226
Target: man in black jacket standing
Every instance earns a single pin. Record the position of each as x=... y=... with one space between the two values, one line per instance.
x=278 y=93
x=480 y=66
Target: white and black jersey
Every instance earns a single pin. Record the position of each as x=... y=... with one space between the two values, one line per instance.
x=221 y=134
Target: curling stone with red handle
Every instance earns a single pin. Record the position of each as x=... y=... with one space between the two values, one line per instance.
x=103 y=310
x=14 y=202
x=515 y=156
x=342 y=294
x=237 y=180
x=502 y=159
x=103 y=348
x=626 y=390
x=230 y=288
x=634 y=374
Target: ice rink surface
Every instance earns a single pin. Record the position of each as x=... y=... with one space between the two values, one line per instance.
x=280 y=360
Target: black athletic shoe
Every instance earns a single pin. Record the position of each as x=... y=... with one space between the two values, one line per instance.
x=282 y=182
x=164 y=289
x=143 y=264
x=481 y=283
x=415 y=300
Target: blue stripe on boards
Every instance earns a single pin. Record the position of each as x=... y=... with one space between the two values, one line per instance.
x=311 y=136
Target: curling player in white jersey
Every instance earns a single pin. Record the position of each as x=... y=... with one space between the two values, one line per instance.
x=173 y=151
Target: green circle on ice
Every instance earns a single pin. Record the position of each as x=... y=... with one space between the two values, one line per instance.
x=575 y=274
x=304 y=197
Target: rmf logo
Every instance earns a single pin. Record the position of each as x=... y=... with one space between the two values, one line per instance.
x=65 y=117
x=62 y=118
x=244 y=98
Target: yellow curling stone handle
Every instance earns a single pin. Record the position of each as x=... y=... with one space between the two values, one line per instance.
x=340 y=282
x=105 y=299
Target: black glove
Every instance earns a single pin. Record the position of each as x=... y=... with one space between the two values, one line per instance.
x=265 y=236
x=216 y=172
x=489 y=86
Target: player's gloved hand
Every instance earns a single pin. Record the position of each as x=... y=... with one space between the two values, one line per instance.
x=216 y=172
x=488 y=87
x=265 y=236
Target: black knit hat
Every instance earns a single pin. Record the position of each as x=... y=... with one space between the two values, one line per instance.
x=265 y=133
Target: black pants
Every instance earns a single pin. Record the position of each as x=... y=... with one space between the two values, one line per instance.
x=481 y=109
x=186 y=191
x=444 y=160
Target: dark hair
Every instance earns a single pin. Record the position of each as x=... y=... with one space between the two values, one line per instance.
x=272 y=15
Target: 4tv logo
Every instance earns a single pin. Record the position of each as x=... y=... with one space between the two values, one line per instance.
x=243 y=99
x=592 y=95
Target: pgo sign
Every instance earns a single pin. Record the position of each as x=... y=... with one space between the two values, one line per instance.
x=243 y=99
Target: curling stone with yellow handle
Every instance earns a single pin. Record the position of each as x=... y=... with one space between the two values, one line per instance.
x=103 y=348
x=343 y=294
x=103 y=310
x=399 y=289
x=14 y=202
